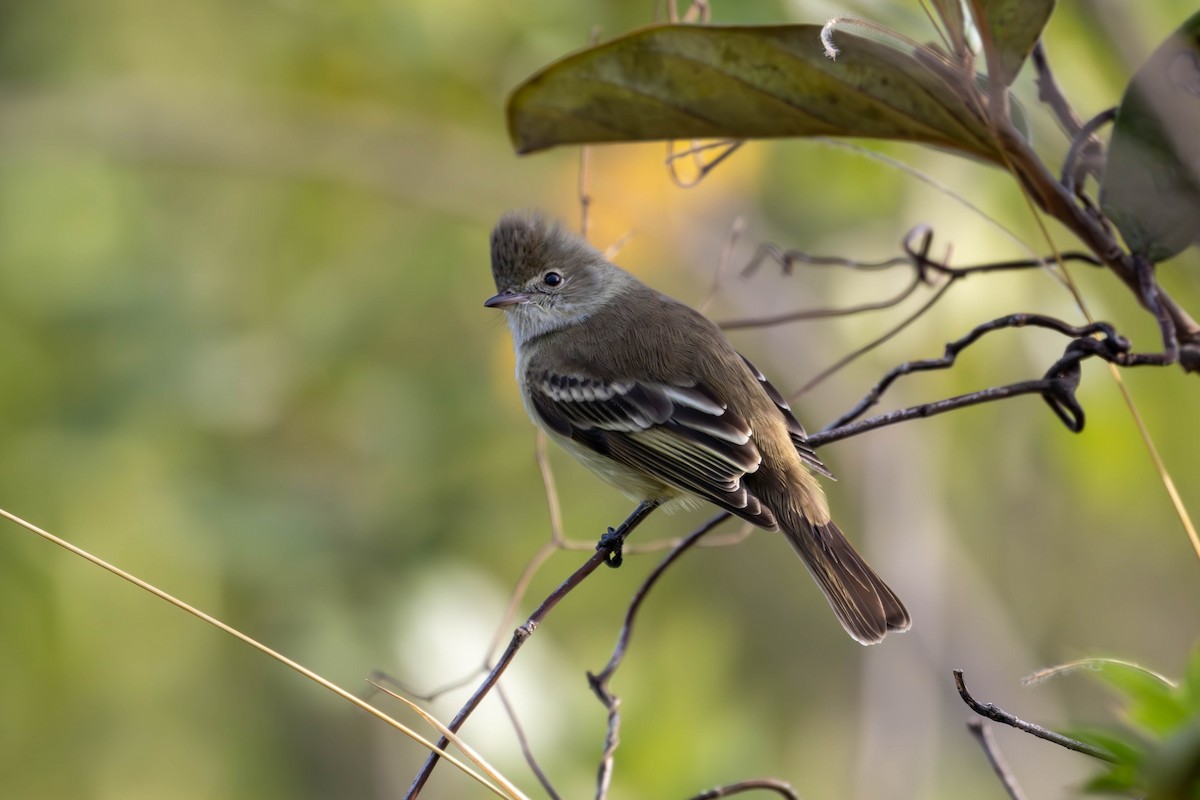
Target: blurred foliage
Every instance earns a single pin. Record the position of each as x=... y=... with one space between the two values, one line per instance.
x=1151 y=184
x=242 y=258
x=1157 y=749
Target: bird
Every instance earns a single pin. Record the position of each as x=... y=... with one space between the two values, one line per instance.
x=650 y=395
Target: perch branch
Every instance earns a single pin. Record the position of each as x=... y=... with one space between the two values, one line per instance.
x=599 y=681
x=614 y=540
x=766 y=784
x=998 y=714
x=1114 y=345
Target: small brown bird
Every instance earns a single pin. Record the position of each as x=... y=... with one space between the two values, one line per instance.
x=651 y=396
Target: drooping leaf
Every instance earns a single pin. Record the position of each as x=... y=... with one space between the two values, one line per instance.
x=677 y=82
x=1151 y=184
x=1015 y=27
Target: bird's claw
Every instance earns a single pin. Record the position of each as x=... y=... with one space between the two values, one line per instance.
x=612 y=542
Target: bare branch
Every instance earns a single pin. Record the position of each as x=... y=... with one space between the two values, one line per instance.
x=611 y=546
x=599 y=681
x=983 y=735
x=766 y=784
x=1076 y=166
x=1115 y=344
x=526 y=750
x=998 y=714
x=730 y=146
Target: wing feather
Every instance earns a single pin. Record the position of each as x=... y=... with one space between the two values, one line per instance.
x=798 y=435
x=683 y=435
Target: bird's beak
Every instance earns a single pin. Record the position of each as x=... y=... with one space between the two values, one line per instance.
x=505 y=299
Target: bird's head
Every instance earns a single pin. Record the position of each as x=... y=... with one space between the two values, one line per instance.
x=546 y=277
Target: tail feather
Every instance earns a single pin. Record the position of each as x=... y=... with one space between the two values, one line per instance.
x=863 y=603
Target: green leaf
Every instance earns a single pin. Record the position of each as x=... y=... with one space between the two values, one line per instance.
x=1129 y=751
x=1127 y=748
x=1151 y=185
x=1172 y=770
x=1151 y=701
x=1190 y=686
x=679 y=82
x=1014 y=27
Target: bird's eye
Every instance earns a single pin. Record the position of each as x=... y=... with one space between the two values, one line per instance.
x=552 y=279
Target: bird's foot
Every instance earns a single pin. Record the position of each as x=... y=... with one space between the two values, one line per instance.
x=612 y=542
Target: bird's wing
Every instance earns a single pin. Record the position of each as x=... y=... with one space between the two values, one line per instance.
x=795 y=429
x=682 y=435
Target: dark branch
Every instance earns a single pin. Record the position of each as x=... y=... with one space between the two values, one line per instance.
x=599 y=681
x=766 y=784
x=523 y=740
x=522 y=634
x=1075 y=166
x=1057 y=387
x=1051 y=95
x=993 y=712
x=983 y=735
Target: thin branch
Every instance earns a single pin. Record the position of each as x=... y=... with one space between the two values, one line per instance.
x=1051 y=95
x=1074 y=170
x=917 y=244
x=703 y=168
x=766 y=784
x=735 y=231
x=983 y=735
x=599 y=681
x=526 y=750
x=895 y=330
x=1053 y=198
x=611 y=545
x=1116 y=344
x=998 y=714
x=822 y=313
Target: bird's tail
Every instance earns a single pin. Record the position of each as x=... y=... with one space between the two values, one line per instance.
x=863 y=603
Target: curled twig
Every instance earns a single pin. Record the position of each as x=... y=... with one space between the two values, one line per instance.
x=917 y=244
x=1058 y=386
x=998 y=714
x=1074 y=169
x=765 y=784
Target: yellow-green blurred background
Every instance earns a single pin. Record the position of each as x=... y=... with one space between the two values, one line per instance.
x=243 y=355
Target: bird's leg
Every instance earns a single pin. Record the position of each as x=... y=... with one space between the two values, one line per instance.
x=613 y=539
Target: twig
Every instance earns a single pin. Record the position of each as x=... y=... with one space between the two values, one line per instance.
x=983 y=735
x=1051 y=95
x=599 y=681
x=1072 y=178
x=767 y=784
x=702 y=168
x=526 y=750
x=917 y=244
x=998 y=714
x=614 y=539
x=1116 y=343
x=822 y=313
x=735 y=231
x=895 y=330
x=1053 y=198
